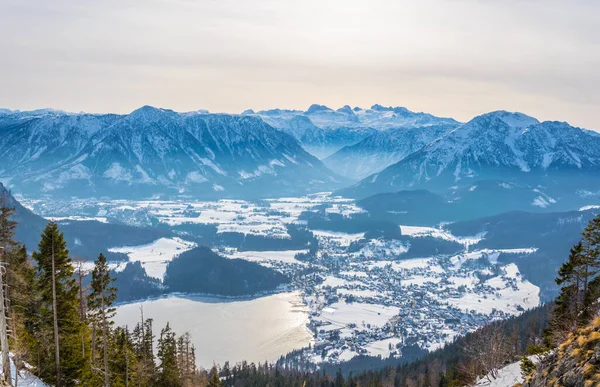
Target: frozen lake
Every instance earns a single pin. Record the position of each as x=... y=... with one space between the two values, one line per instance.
x=229 y=330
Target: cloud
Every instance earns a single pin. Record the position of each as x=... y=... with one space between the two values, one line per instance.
x=455 y=58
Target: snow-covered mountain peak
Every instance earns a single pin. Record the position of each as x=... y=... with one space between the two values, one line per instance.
x=512 y=119
x=345 y=109
x=148 y=113
x=314 y=108
x=498 y=145
x=155 y=151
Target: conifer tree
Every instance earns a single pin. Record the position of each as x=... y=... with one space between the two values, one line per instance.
x=168 y=375
x=213 y=380
x=100 y=300
x=59 y=326
x=123 y=359
x=142 y=338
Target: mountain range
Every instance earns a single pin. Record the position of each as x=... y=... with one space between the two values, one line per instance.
x=559 y=163
x=154 y=152
x=383 y=149
x=323 y=131
x=502 y=156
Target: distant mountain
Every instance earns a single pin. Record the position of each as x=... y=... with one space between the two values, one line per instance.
x=553 y=157
x=382 y=149
x=155 y=152
x=322 y=131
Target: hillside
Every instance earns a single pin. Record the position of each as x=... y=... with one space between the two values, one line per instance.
x=576 y=362
x=153 y=152
x=553 y=157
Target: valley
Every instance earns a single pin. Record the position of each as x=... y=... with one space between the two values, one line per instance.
x=355 y=293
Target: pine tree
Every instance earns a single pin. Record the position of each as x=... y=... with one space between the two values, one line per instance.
x=213 y=380
x=100 y=300
x=580 y=286
x=591 y=288
x=123 y=359
x=59 y=327
x=168 y=375
x=142 y=338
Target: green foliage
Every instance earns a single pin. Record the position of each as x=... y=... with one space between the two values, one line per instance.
x=527 y=366
x=53 y=262
x=580 y=286
x=168 y=371
x=214 y=380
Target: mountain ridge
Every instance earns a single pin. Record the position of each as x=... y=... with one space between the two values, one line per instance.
x=503 y=146
x=154 y=151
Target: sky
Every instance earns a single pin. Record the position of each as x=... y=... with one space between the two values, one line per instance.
x=453 y=58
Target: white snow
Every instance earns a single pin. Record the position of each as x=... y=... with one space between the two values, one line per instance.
x=512 y=293
x=156 y=255
x=341 y=238
x=286 y=256
x=417 y=232
x=382 y=347
x=507 y=376
x=592 y=207
x=340 y=314
x=100 y=219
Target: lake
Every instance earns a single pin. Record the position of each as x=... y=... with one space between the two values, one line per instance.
x=222 y=329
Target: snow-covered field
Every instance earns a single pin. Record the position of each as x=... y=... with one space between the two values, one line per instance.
x=268 y=257
x=155 y=256
x=417 y=231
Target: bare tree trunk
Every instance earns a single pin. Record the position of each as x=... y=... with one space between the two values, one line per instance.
x=55 y=317
x=3 y=326
x=80 y=274
x=127 y=360
x=144 y=364
x=105 y=342
x=93 y=344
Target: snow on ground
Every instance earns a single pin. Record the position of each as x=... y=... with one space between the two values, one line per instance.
x=339 y=238
x=378 y=249
x=420 y=232
x=345 y=209
x=511 y=294
x=340 y=314
x=593 y=207
x=77 y=218
x=490 y=254
x=352 y=273
x=116 y=266
x=357 y=293
x=156 y=255
x=382 y=347
x=508 y=375
x=25 y=379
x=409 y=264
x=336 y=282
x=286 y=256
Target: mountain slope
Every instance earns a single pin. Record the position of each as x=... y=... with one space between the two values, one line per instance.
x=383 y=149
x=322 y=131
x=502 y=146
x=155 y=151
x=576 y=361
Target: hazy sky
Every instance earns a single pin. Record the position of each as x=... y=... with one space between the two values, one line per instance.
x=454 y=58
